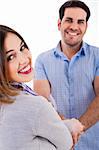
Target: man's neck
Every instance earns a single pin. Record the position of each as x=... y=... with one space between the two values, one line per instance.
x=69 y=51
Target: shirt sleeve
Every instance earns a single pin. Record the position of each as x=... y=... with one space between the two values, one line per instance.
x=97 y=63
x=39 y=69
x=51 y=127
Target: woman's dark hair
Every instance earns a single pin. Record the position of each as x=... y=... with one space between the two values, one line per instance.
x=74 y=3
x=6 y=90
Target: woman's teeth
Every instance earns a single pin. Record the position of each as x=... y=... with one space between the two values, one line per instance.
x=25 y=69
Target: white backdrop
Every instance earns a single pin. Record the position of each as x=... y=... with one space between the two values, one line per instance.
x=36 y=21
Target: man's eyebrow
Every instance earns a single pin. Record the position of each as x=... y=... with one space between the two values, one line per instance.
x=81 y=20
x=72 y=19
x=69 y=18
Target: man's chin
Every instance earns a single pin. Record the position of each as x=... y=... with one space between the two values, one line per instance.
x=73 y=44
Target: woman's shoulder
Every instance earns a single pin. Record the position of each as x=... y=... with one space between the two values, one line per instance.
x=25 y=105
x=30 y=105
x=28 y=99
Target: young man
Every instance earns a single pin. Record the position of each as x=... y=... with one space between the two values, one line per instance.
x=70 y=73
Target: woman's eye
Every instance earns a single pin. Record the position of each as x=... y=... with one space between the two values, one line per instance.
x=10 y=57
x=22 y=47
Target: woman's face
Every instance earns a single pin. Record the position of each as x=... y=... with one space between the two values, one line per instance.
x=19 y=61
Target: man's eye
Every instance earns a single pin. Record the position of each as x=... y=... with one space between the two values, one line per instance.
x=10 y=57
x=81 y=22
x=67 y=20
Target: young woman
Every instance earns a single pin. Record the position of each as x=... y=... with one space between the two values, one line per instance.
x=27 y=121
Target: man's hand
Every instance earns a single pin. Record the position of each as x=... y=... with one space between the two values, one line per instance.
x=61 y=116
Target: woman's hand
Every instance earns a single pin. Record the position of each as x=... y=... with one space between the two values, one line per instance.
x=75 y=127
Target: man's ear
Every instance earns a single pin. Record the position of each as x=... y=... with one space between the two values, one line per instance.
x=86 y=26
x=59 y=24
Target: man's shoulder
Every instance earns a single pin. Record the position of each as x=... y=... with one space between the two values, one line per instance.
x=46 y=55
x=92 y=47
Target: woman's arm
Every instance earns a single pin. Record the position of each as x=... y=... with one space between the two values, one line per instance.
x=50 y=126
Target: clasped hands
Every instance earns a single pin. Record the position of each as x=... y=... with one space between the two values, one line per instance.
x=75 y=127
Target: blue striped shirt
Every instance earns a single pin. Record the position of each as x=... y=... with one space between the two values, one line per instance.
x=24 y=87
x=72 y=85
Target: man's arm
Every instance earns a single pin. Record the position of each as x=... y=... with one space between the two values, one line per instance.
x=91 y=116
x=42 y=87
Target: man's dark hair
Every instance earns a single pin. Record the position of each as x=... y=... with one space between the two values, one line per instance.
x=74 y=3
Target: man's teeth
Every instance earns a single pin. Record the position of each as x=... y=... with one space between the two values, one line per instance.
x=25 y=69
x=71 y=33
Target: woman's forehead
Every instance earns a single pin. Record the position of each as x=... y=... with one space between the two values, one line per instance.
x=11 y=41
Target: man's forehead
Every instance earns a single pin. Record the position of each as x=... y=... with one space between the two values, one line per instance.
x=75 y=12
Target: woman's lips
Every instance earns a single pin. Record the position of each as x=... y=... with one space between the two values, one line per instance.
x=25 y=70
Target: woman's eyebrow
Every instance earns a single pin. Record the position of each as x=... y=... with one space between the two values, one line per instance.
x=21 y=43
x=9 y=51
x=12 y=49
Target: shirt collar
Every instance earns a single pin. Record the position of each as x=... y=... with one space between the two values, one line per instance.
x=59 y=53
x=24 y=88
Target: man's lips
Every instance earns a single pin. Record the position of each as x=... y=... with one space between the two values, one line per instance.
x=72 y=33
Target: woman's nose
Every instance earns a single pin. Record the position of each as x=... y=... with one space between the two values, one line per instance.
x=23 y=59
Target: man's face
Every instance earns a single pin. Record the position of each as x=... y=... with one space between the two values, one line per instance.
x=73 y=26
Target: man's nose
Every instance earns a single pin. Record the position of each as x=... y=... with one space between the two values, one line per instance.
x=74 y=26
